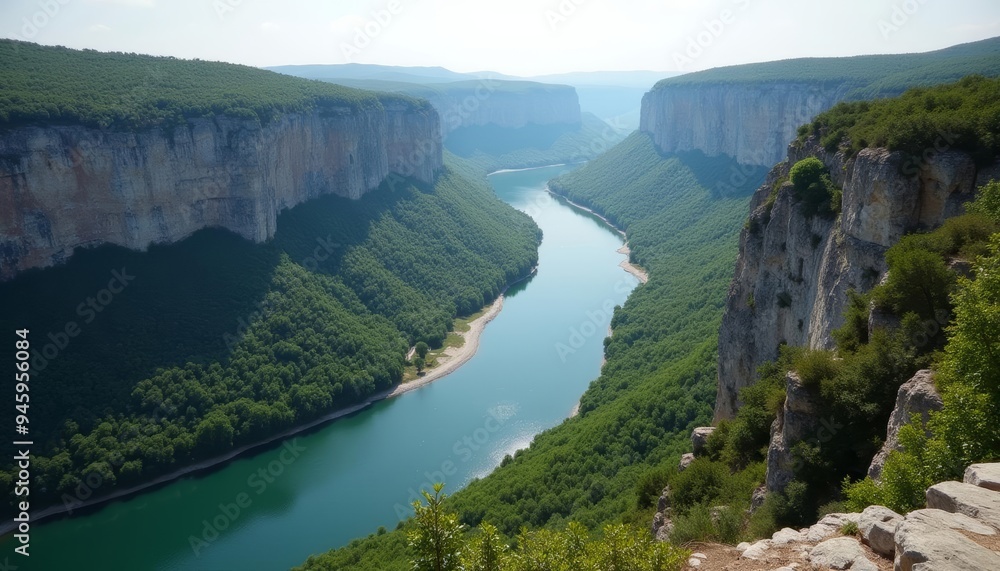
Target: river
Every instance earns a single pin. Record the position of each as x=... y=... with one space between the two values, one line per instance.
x=272 y=509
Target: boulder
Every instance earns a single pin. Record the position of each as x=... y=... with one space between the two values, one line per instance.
x=931 y=540
x=878 y=528
x=685 y=461
x=757 y=550
x=841 y=553
x=984 y=475
x=786 y=536
x=915 y=396
x=699 y=437
x=973 y=501
x=829 y=526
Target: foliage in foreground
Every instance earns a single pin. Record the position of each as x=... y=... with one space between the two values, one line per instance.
x=437 y=544
x=965 y=431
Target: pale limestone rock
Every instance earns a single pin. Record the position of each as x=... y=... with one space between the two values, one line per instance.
x=878 y=528
x=699 y=437
x=957 y=497
x=743 y=546
x=686 y=461
x=694 y=562
x=72 y=186
x=984 y=475
x=792 y=274
x=754 y=124
x=796 y=421
x=757 y=550
x=915 y=396
x=929 y=540
x=841 y=553
x=786 y=536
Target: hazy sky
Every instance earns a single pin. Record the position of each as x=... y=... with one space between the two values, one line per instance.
x=521 y=37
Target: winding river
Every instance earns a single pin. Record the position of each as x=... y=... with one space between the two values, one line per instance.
x=272 y=509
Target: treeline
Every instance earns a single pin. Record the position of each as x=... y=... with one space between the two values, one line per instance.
x=127 y=91
x=217 y=342
x=961 y=116
x=860 y=77
x=680 y=211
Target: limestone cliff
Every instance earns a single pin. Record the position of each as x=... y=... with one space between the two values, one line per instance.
x=498 y=103
x=793 y=272
x=62 y=187
x=753 y=122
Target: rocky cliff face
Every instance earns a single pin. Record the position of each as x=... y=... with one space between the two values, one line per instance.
x=492 y=103
x=66 y=187
x=752 y=122
x=793 y=273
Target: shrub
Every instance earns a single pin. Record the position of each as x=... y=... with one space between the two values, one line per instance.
x=701 y=482
x=814 y=188
x=817 y=366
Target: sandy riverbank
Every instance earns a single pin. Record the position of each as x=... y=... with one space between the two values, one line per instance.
x=457 y=356
x=626 y=265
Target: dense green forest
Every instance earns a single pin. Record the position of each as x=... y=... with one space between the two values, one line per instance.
x=680 y=211
x=961 y=116
x=860 y=77
x=55 y=85
x=217 y=342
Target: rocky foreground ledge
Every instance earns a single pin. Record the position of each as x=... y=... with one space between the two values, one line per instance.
x=958 y=531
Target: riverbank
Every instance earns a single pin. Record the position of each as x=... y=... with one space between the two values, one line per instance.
x=461 y=356
x=626 y=265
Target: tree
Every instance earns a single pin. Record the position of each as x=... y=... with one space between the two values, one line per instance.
x=419 y=363
x=436 y=537
x=486 y=552
x=422 y=349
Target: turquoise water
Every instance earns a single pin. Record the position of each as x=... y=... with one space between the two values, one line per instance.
x=273 y=509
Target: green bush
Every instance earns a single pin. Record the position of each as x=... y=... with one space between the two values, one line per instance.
x=815 y=189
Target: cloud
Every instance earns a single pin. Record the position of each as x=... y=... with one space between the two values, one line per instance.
x=99 y=28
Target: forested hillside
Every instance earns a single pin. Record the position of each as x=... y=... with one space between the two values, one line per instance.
x=132 y=91
x=864 y=77
x=216 y=342
x=659 y=380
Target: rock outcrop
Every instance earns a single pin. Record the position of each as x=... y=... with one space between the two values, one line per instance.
x=877 y=526
x=793 y=272
x=797 y=421
x=63 y=187
x=754 y=123
x=960 y=531
x=916 y=396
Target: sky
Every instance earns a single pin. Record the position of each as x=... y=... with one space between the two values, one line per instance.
x=517 y=37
